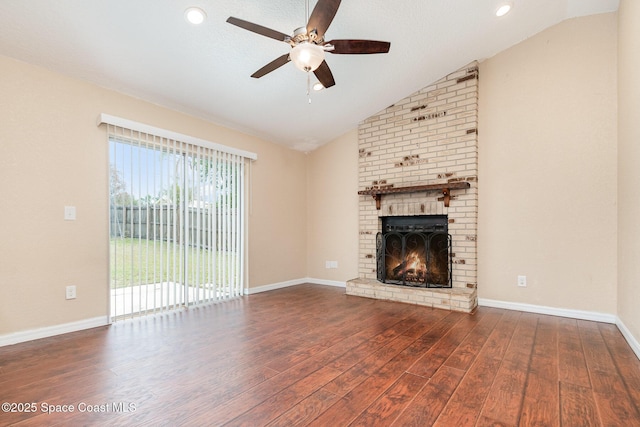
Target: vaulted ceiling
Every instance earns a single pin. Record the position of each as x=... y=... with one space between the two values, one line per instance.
x=146 y=48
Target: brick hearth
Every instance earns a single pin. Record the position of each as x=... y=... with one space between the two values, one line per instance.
x=430 y=137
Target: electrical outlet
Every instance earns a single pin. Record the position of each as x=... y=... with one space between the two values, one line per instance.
x=69 y=213
x=327 y=264
x=334 y=264
x=522 y=281
x=70 y=292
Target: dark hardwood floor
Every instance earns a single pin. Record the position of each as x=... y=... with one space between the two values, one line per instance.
x=310 y=355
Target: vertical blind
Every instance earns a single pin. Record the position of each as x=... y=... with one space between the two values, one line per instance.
x=177 y=213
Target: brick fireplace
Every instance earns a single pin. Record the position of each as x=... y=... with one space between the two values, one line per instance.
x=419 y=157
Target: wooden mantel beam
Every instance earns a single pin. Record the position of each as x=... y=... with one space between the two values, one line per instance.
x=445 y=188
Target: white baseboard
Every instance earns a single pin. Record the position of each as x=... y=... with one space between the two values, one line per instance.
x=326 y=282
x=273 y=286
x=552 y=311
x=294 y=282
x=626 y=333
x=49 y=331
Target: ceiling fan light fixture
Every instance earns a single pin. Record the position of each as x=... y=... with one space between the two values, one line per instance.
x=318 y=86
x=307 y=56
x=195 y=15
x=503 y=9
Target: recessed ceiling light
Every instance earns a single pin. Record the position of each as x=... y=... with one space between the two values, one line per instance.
x=318 y=86
x=195 y=15
x=504 y=9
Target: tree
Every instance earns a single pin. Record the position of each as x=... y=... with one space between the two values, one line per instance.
x=174 y=194
x=118 y=189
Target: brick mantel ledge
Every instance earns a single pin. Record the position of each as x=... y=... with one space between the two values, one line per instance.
x=455 y=299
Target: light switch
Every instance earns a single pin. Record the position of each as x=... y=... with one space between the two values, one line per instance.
x=69 y=213
x=70 y=292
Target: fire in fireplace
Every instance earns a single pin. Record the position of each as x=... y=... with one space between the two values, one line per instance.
x=414 y=251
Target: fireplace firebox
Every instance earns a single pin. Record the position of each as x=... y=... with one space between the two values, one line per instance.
x=415 y=251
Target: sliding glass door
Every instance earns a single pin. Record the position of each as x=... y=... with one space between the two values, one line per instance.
x=176 y=224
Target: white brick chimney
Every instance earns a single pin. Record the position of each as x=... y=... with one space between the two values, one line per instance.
x=430 y=137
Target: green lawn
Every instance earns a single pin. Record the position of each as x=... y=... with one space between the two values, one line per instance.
x=141 y=261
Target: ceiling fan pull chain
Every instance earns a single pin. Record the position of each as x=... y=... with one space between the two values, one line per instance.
x=309 y=87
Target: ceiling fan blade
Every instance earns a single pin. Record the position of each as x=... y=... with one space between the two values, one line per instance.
x=322 y=15
x=276 y=63
x=323 y=73
x=359 y=46
x=259 y=29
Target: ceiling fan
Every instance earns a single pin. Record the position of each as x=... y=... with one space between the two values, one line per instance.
x=308 y=44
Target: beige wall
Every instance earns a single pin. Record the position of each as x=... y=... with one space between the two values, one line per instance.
x=278 y=216
x=547 y=168
x=53 y=155
x=629 y=165
x=332 y=200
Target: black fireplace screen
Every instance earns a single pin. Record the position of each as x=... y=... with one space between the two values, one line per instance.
x=415 y=251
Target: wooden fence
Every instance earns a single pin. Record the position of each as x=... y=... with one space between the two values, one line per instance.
x=165 y=223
